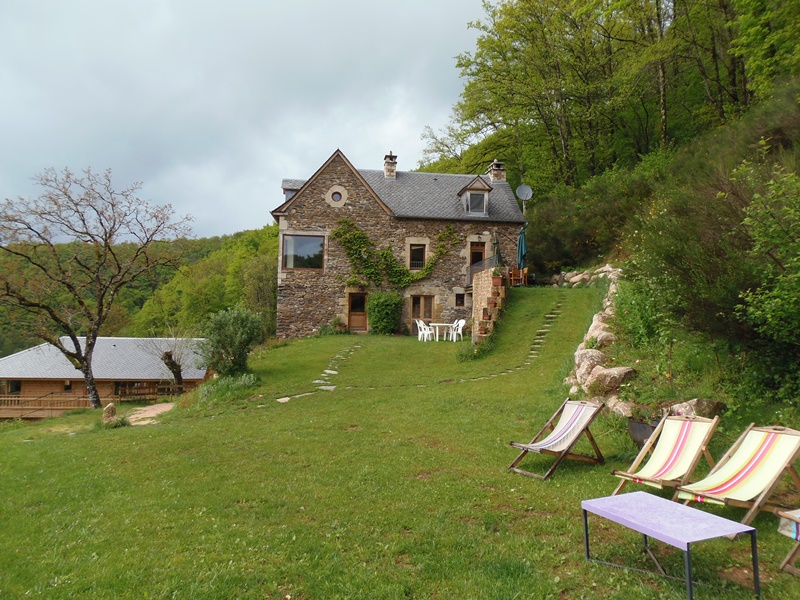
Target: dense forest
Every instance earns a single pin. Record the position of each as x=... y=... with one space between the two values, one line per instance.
x=658 y=134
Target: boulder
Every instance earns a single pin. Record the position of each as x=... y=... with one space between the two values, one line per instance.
x=700 y=407
x=602 y=380
x=605 y=339
x=579 y=278
x=586 y=361
x=618 y=407
x=109 y=413
x=598 y=325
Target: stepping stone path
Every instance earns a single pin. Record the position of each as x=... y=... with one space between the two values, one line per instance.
x=549 y=319
x=324 y=382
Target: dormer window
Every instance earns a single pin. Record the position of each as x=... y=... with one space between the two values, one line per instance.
x=476 y=197
x=477 y=202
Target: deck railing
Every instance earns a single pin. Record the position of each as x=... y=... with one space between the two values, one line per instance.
x=50 y=405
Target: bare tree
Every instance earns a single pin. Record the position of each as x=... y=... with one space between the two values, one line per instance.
x=175 y=352
x=65 y=256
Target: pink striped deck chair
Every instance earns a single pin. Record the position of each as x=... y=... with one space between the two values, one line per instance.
x=574 y=419
x=677 y=445
x=750 y=471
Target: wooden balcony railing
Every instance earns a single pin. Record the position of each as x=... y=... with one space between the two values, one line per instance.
x=49 y=405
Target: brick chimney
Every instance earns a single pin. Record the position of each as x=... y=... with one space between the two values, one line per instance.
x=390 y=166
x=497 y=171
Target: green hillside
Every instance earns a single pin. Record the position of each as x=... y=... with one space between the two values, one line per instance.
x=392 y=485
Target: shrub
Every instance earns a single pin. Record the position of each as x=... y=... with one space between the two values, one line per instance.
x=230 y=335
x=383 y=311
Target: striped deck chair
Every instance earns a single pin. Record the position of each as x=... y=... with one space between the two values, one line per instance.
x=750 y=471
x=574 y=419
x=677 y=445
x=789 y=526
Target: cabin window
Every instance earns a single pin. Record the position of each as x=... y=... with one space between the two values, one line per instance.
x=14 y=387
x=303 y=251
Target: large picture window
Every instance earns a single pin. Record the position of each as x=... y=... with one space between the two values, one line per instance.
x=303 y=251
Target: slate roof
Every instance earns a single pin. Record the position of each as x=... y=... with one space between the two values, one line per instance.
x=434 y=195
x=121 y=359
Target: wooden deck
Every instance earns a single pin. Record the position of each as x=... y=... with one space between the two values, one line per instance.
x=14 y=406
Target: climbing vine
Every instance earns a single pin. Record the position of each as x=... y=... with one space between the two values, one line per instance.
x=369 y=265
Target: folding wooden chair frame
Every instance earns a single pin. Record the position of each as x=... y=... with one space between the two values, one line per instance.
x=630 y=476
x=761 y=502
x=562 y=454
x=788 y=562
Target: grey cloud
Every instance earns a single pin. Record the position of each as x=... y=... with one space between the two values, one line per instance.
x=210 y=104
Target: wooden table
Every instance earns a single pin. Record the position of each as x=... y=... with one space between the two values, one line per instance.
x=667 y=521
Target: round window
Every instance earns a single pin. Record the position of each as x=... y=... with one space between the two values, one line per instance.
x=336 y=196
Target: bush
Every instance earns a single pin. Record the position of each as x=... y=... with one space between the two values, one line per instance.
x=230 y=335
x=225 y=390
x=383 y=311
x=640 y=314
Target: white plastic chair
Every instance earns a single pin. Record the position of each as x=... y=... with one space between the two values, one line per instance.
x=457 y=329
x=424 y=332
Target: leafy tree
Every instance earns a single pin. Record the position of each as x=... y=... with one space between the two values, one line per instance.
x=767 y=34
x=66 y=256
x=229 y=336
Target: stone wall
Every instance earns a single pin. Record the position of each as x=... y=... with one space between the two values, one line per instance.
x=487 y=300
x=309 y=298
x=593 y=375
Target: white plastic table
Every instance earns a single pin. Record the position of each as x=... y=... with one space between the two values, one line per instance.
x=667 y=521
x=445 y=325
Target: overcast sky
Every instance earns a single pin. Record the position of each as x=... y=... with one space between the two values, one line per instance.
x=211 y=103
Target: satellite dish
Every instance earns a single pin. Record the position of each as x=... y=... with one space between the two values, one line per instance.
x=524 y=192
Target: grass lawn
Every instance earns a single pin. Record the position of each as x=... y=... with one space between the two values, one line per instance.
x=392 y=485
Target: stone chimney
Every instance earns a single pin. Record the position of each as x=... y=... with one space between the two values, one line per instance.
x=497 y=171
x=390 y=166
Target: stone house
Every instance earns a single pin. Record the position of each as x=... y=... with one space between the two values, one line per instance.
x=460 y=222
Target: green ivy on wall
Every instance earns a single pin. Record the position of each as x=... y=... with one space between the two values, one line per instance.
x=368 y=265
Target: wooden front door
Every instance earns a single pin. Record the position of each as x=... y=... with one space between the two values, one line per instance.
x=421 y=308
x=357 y=313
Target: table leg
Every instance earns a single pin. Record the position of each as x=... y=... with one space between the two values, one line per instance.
x=653 y=556
x=756 y=578
x=586 y=533
x=687 y=560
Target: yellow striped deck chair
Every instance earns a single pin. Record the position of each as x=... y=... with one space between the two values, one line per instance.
x=750 y=471
x=677 y=445
x=574 y=419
